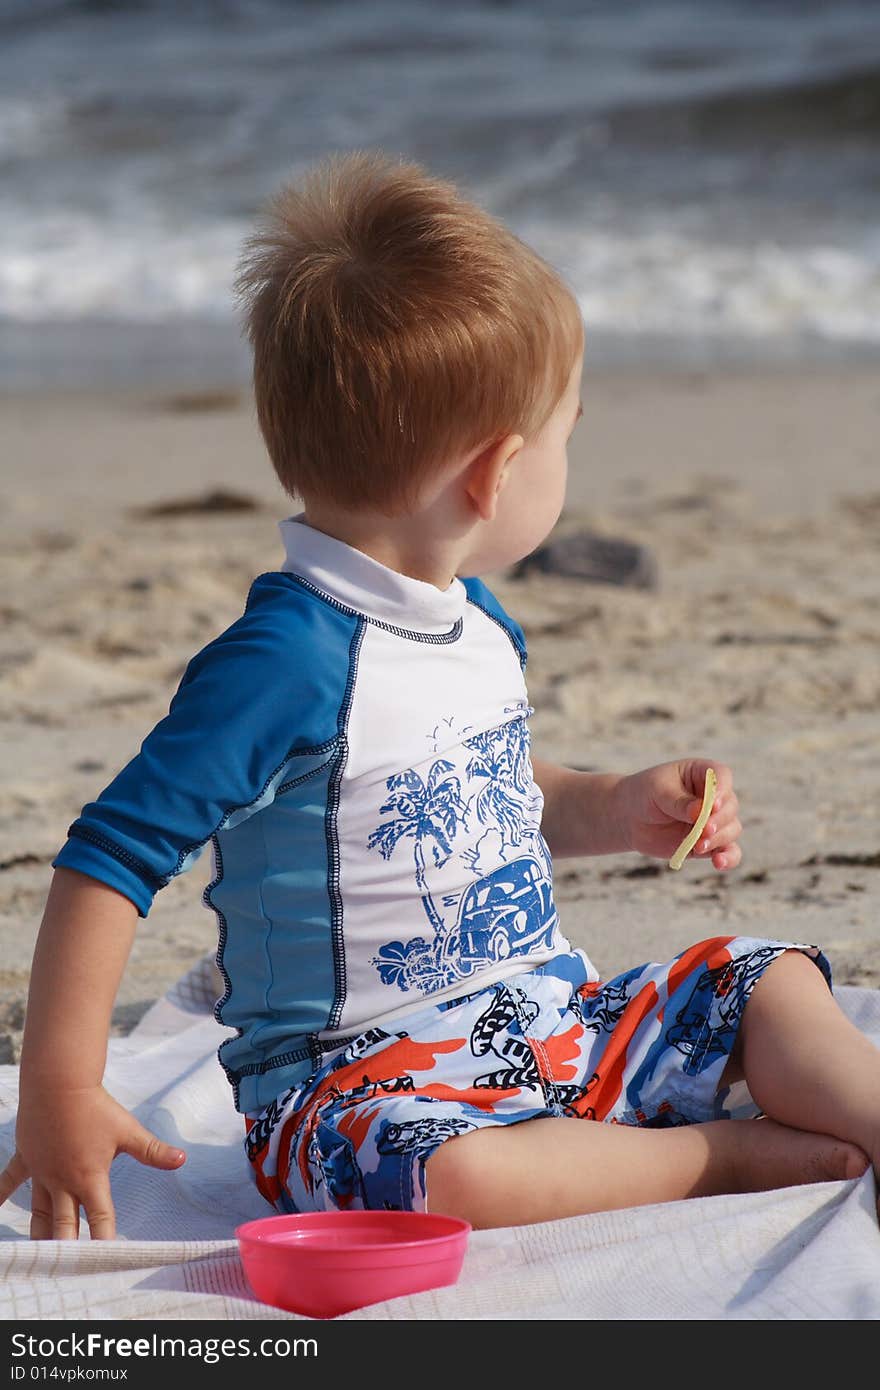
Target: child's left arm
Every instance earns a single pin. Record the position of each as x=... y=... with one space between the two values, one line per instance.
x=588 y=813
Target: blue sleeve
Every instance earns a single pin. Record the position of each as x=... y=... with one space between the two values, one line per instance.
x=263 y=697
x=480 y=595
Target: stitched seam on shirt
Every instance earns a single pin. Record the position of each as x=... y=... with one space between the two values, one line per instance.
x=235 y=1075
x=437 y=637
x=299 y=1054
x=311 y=1051
x=292 y=753
x=155 y=881
x=131 y=861
x=222 y=933
x=269 y=928
x=333 y=857
x=520 y=650
x=304 y=776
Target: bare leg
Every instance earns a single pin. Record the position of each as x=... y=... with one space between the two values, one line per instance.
x=540 y=1170
x=804 y=1062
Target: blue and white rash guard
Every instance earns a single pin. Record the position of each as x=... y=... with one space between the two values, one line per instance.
x=355 y=749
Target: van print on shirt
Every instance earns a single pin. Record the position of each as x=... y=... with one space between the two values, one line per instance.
x=508 y=910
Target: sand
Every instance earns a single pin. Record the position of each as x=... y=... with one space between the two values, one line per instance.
x=758 y=496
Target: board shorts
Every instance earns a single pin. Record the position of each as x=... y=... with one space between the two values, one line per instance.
x=647 y=1047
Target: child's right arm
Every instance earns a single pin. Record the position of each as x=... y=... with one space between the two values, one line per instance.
x=221 y=750
x=69 y=1129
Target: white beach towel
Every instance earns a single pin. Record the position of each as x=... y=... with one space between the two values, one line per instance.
x=808 y=1252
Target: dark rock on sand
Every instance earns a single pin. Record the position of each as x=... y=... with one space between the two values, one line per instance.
x=593 y=558
x=218 y=500
x=200 y=402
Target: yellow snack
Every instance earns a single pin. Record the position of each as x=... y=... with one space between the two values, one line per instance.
x=696 y=829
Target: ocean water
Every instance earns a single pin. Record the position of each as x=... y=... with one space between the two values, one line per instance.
x=705 y=173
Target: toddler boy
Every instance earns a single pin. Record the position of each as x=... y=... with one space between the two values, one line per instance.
x=355 y=751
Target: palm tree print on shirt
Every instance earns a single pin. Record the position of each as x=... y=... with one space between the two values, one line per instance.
x=428 y=813
x=502 y=801
x=507 y=911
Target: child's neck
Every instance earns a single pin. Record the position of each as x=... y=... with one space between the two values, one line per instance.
x=415 y=545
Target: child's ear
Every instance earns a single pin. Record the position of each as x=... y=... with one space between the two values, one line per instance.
x=488 y=472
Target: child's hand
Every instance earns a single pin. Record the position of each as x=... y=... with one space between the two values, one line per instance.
x=66 y=1142
x=657 y=806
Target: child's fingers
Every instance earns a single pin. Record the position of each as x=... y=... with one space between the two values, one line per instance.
x=724 y=810
x=717 y=835
x=55 y=1216
x=727 y=858
x=41 y=1213
x=97 y=1204
x=65 y=1216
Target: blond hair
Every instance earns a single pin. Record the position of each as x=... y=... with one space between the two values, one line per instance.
x=395 y=326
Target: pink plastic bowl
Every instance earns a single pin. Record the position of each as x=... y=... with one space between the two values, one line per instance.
x=324 y=1263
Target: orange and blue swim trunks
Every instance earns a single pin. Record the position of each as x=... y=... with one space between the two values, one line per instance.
x=647 y=1047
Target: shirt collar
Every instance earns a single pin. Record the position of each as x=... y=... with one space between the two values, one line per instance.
x=362 y=583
